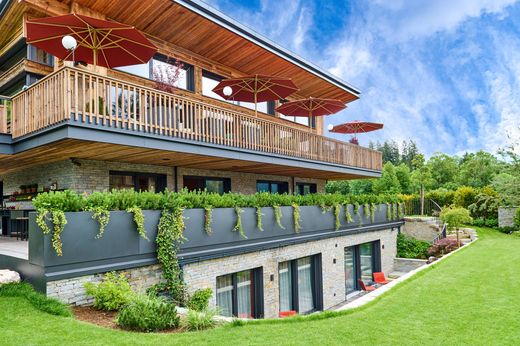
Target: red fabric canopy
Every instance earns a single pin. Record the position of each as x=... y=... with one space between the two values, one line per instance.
x=99 y=42
x=256 y=88
x=356 y=127
x=311 y=107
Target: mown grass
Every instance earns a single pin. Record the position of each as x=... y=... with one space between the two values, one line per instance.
x=470 y=298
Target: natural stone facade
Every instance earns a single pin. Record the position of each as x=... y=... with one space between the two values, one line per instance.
x=72 y=291
x=89 y=176
x=506 y=216
x=421 y=228
x=204 y=274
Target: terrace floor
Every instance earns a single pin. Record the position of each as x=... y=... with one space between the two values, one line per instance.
x=14 y=248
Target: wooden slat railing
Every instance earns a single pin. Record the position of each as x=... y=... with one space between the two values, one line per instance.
x=99 y=100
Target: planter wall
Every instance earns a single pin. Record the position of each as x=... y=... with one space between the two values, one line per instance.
x=121 y=247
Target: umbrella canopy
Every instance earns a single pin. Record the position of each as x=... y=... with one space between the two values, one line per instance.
x=99 y=42
x=311 y=107
x=356 y=127
x=256 y=88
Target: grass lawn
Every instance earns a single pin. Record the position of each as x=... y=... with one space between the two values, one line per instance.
x=470 y=298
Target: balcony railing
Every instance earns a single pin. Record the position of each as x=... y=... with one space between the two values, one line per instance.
x=85 y=97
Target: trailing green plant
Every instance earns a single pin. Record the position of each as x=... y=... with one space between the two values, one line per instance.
x=366 y=209
x=39 y=301
x=357 y=211
x=200 y=320
x=296 y=218
x=208 y=212
x=112 y=293
x=238 y=225
x=138 y=214
x=259 y=219
x=278 y=216
x=395 y=214
x=102 y=216
x=348 y=216
x=148 y=314
x=388 y=211
x=401 y=210
x=59 y=221
x=199 y=300
x=169 y=238
x=372 y=212
x=337 y=223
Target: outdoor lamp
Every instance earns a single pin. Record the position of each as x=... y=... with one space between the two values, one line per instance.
x=69 y=43
x=330 y=127
x=227 y=91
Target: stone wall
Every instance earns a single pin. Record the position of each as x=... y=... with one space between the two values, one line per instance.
x=204 y=274
x=506 y=216
x=421 y=228
x=71 y=291
x=89 y=176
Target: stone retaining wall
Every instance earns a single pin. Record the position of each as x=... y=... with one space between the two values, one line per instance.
x=421 y=228
x=506 y=216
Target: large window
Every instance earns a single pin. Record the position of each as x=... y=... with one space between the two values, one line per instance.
x=361 y=261
x=272 y=186
x=241 y=294
x=305 y=188
x=210 y=81
x=161 y=68
x=300 y=285
x=137 y=181
x=300 y=120
x=39 y=55
x=210 y=184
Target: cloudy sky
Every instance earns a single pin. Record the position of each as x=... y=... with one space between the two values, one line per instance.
x=445 y=73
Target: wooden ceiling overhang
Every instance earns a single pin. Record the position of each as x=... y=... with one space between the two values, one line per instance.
x=208 y=34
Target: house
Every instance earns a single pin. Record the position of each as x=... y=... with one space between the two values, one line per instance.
x=91 y=129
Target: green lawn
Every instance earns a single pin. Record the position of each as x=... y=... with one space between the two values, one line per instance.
x=470 y=298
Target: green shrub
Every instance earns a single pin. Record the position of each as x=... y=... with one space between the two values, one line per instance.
x=507 y=229
x=455 y=217
x=112 y=293
x=147 y=314
x=199 y=300
x=408 y=247
x=465 y=196
x=200 y=320
x=39 y=301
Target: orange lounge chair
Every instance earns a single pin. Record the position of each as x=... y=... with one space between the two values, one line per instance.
x=367 y=288
x=379 y=278
x=287 y=313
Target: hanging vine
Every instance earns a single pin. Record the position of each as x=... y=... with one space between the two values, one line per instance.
x=259 y=219
x=296 y=218
x=278 y=216
x=373 y=212
x=366 y=209
x=138 y=220
x=102 y=216
x=59 y=221
x=348 y=216
x=395 y=211
x=357 y=211
x=337 y=223
x=401 y=210
x=388 y=212
x=208 y=215
x=238 y=226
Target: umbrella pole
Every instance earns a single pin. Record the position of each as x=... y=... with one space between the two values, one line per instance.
x=256 y=106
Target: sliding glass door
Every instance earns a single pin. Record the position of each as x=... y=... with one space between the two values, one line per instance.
x=350 y=269
x=286 y=287
x=305 y=285
x=366 y=261
x=241 y=294
x=361 y=261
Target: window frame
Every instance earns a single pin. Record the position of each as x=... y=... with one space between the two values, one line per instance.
x=376 y=261
x=257 y=292
x=301 y=185
x=225 y=180
x=271 y=182
x=161 y=179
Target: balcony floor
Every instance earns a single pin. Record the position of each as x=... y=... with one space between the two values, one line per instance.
x=14 y=248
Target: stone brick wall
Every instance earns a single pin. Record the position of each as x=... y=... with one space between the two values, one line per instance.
x=204 y=274
x=89 y=176
x=506 y=216
x=71 y=291
x=421 y=228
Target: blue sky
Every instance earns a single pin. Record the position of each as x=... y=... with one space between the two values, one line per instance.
x=445 y=73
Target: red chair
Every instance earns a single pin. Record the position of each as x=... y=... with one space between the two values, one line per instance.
x=366 y=288
x=287 y=313
x=379 y=278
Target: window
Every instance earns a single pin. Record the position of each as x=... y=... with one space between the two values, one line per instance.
x=272 y=186
x=361 y=261
x=158 y=68
x=300 y=120
x=241 y=294
x=300 y=285
x=305 y=188
x=210 y=81
x=137 y=181
x=39 y=55
x=210 y=184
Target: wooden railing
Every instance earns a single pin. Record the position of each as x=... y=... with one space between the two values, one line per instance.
x=103 y=101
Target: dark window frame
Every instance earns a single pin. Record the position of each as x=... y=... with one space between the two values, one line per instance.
x=376 y=259
x=161 y=179
x=225 y=180
x=257 y=291
x=301 y=185
x=316 y=284
x=190 y=70
x=270 y=182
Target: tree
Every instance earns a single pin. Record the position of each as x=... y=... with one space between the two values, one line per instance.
x=478 y=169
x=361 y=186
x=455 y=217
x=390 y=151
x=339 y=186
x=508 y=187
x=403 y=175
x=444 y=169
x=410 y=152
x=421 y=177
x=388 y=183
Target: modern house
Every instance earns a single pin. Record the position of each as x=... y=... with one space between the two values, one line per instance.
x=92 y=129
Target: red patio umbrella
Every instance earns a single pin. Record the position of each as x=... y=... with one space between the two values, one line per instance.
x=99 y=42
x=311 y=107
x=356 y=126
x=256 y=88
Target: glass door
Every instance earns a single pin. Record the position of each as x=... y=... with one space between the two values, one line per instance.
x=286 y=287
x=350 y=269
x=305 y=290
x=244 y=294
x=366 y=261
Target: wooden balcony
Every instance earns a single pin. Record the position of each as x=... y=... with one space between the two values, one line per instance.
x=94 y=100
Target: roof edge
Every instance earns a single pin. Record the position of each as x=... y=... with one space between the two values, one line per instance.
x=234 y=26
